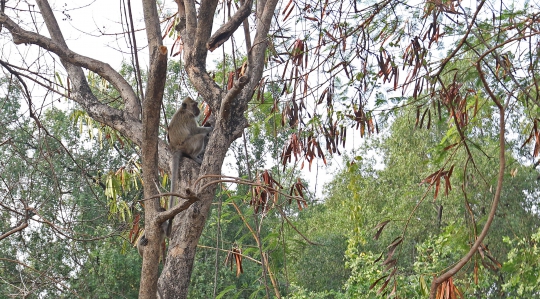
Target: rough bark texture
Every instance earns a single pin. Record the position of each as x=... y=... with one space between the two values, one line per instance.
x=151 y=113
x=151 y=116
x=226 y=31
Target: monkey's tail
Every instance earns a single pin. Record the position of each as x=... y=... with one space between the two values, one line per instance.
x=174 y=178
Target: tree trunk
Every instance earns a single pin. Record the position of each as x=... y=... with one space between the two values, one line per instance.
x=228 y=108
x=150 y=119
x=189 y=224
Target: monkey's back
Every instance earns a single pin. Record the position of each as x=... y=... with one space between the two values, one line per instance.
x=180 y=129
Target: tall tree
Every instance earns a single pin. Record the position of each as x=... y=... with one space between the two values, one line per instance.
x=138 y=118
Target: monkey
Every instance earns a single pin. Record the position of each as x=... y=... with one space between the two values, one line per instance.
x=186 y=139
x=143 y=241
x=185 y=136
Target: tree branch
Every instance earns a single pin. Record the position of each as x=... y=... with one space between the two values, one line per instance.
x=227 y=29
x=150 y=158
x=462 y=42
x=123 y=121
x=239 y=84
x=451 y=272
x=191 y=22
x=190 y=197
x=247 y=36
x=258 y=51
x=196 y=34
x=205 y=20
x=71 y=60
x=22 y=226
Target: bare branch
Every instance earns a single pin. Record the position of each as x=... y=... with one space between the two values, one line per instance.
x=150 y=161
x=227 y=29
x=191 y=22
x=196 y=34
x=22 y=226
x=69 y=57
x=204 y=28
x=463 y=40
x=56 y=283
x=225 y=250
x=151 y=20
x=258 y=51
x=247 y=34
x=294 y=227
x=231 y=95
x=190 y=197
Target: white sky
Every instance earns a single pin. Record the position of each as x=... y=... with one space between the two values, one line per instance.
x=96 y=32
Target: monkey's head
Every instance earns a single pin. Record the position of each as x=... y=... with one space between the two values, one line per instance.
x=189 y=105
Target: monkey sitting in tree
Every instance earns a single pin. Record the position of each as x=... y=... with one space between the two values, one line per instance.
x=186 y=139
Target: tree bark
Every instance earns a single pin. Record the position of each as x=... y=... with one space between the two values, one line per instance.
x=150 y=119
x=151 y=115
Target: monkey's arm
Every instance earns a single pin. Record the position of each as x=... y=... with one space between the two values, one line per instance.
x=202 y=130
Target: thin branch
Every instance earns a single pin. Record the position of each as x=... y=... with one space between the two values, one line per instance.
x=294 y=227
x=463 y=40
x=103 y=69
x=247 y=36
x=243 y=182
x=56 y=283
x=136 y=55
x=18 y=75
x=22 y=226
x=227 y=29
x=229 y=251
x=443 y=277
x=486 y=86
x=259 y=245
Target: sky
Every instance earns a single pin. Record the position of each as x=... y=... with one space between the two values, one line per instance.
x=93 y=28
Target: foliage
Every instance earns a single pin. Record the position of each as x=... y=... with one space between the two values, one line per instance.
x=54 y=169
x=522 y=267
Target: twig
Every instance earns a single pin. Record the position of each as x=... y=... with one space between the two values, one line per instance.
x=229 y=251
x=294 y=227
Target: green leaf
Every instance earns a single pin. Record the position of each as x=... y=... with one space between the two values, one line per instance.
x=225 y=291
